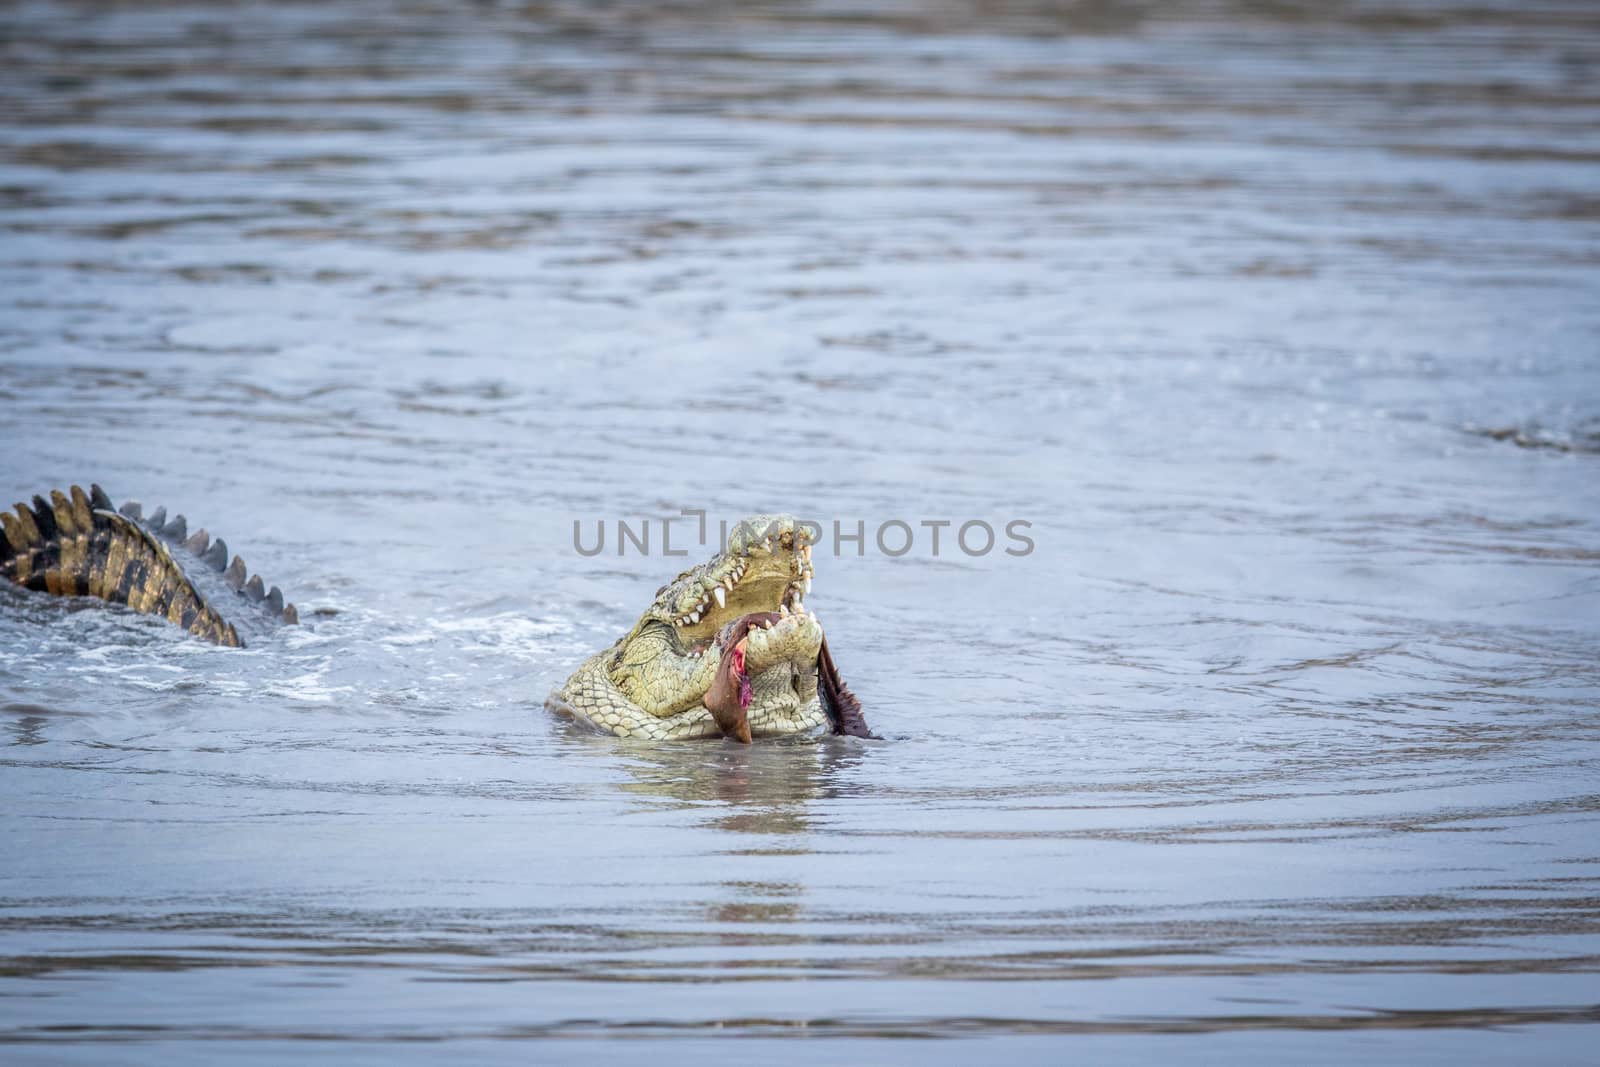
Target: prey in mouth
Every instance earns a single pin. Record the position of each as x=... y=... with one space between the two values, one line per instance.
x=727 y=648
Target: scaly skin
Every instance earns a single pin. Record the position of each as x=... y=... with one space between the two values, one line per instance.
x=652 y=683
x=79 y=545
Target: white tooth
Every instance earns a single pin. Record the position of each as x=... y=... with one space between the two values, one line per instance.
x=805 y=586
x=694 y=617
x=721 y=595
x=783 y=609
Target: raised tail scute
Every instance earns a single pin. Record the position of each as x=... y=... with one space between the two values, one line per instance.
x=216 y=557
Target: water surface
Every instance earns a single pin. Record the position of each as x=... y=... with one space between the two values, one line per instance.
x=1278 y=322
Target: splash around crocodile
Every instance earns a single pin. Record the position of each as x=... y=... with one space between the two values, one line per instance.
x=727 y=648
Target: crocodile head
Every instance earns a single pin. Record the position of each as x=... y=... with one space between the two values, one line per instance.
x=727 y=646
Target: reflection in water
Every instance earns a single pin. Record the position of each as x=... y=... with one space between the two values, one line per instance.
x=758 y=789
x=1284 y=734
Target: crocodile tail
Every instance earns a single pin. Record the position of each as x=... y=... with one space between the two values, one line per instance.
x=214 y=554
x=844 y=710
x=78 y=545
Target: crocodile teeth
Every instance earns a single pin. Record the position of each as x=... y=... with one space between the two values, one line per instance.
x=805 y=550
x=805 y=586
x=694 y=616
x=721 y=595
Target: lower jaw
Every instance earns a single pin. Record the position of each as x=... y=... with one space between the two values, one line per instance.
x=778 y=719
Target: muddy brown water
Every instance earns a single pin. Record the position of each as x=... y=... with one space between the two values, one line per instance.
x=1277 y=322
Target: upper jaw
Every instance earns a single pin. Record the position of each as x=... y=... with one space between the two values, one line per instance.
x=767 y=567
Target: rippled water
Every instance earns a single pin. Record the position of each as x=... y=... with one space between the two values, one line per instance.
x=1277 y=321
